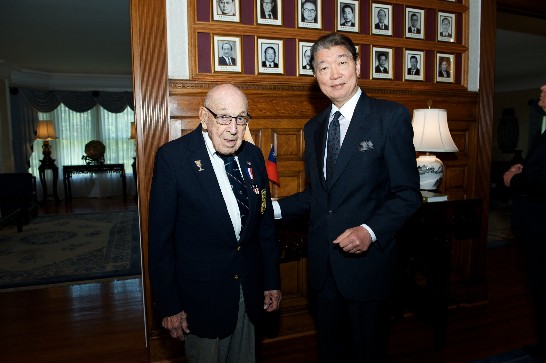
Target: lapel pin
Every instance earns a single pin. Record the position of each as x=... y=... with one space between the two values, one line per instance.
x=199 y=165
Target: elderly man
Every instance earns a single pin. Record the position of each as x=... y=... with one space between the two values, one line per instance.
x=213 y=258
x=362 y=185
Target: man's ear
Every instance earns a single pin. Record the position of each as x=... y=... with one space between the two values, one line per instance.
x=203 y=117
x=357 y=65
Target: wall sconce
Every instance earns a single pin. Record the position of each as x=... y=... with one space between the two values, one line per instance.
x=46 y=132
x=431 y=134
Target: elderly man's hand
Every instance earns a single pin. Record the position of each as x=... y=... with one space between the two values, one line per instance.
x=272 y=300
x=177 y=325
x=514 y=169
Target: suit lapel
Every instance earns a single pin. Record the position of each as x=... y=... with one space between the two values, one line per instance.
x=360 y=124
x=320 y=143
x=212 y=194
x=246 y=163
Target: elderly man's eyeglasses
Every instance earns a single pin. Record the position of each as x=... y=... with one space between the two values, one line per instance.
x=226 y=119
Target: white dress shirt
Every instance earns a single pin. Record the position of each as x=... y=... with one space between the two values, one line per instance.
x=346 y=111
x=225 y=186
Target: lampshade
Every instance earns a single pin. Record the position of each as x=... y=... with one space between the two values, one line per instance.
x=45 y=130
x=431 y=134
x=133 y=131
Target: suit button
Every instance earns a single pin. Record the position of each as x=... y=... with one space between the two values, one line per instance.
x=330 y=212
x=238 y=248
x=236 y=277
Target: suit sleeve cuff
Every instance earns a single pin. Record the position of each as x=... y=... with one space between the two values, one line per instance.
x=276 y=210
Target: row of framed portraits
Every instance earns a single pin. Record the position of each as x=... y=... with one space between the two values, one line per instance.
x=309 y=15
x=270 y=60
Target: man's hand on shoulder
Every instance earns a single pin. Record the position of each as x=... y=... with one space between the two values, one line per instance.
x=354 y=240
x=177 y=325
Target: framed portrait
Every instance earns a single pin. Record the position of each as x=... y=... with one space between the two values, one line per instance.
x=227 y=54
x=225 y=10
x=445 y=67
x=381 y=63
x=415 y=24
x=269 y=12
x=270 y=56
x=414 y=65
x=304 y=59
x=347 y=16
x=446 y=27
x=381 y=19
x=309 y=14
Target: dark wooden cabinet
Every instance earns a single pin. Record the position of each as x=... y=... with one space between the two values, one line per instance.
x=434 y=274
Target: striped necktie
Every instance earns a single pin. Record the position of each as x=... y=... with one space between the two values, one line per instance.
x=237 y=185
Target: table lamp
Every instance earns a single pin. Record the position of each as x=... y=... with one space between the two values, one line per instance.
x=46 y=132
x=431 y=134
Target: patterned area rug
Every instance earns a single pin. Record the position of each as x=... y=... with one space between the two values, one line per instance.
x=522 y=355
x=71 y=247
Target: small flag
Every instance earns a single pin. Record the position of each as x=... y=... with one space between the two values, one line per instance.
x=271 y=167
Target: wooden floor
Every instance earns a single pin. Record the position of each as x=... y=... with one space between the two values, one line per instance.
x=104 y=322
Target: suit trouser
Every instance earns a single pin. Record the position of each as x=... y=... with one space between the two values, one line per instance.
x=239 y=347
x=351 y=331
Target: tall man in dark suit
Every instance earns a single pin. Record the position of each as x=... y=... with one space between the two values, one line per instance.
x=381 y=66
x=270 y=54
x=413 y=70
x=362 y=185
x=527 y=182
x=213 y=258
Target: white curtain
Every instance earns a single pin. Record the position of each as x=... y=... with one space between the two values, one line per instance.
x=74 y=130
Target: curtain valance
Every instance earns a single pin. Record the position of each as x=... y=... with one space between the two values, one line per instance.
x=79 y=101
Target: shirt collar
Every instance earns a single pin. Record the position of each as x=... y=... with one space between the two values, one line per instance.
x=208 y=144
x=348 y=108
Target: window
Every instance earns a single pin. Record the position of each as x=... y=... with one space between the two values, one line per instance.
x=74 y=130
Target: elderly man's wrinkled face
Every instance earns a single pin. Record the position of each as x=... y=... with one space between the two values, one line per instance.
x=225 y=100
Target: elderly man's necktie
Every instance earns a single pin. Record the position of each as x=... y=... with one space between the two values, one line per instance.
x=237 y=185
x=332 y=147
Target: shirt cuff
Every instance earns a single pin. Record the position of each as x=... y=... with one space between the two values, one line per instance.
x=374 y=238
x=276 y=210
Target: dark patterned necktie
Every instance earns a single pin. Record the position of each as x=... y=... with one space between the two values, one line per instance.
x=237 y=186
x=332 y=148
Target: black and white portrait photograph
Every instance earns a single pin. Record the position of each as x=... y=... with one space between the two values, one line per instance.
x=446 y=27
x=227 y=54
x=270 y=56
x=414 y=65
x=304 y=59
x=415 y=25
x=445 y=67
x=225 y=10
x=381 y=63
x=381 y=19
x=309 y=14
x=269 y=12
x=347 y=16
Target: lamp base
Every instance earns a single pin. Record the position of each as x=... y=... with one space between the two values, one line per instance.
x=431 y=171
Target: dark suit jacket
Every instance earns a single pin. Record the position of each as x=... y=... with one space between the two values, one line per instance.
x=417 y=72
x=440 y=74
x=378 y=70
x=273 y=12
x=417 y=30
x=195 y=262
x=275 y=65
x=385 y=26
x=222 y=61
x=529 y=191
x=352 y=24
x=375 y=182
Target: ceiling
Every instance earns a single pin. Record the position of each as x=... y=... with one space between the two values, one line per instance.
x=92 y=37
